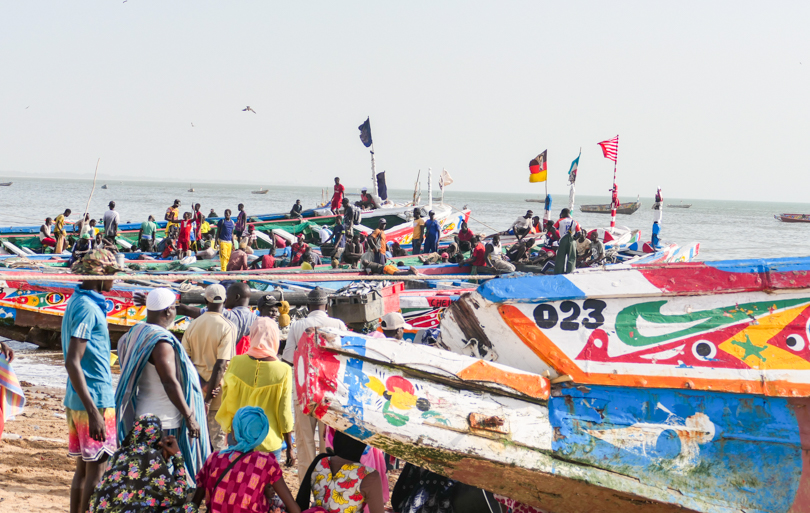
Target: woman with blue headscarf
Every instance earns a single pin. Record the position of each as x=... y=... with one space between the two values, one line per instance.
x=240 y=479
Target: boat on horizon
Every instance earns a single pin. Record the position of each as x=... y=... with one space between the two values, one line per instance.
x=260 y=191
x=793 y=218
x=6 y=184
x=104 y=186
x=679 y=205
x=623 y=208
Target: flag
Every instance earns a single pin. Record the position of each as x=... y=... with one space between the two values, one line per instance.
x=537 y=168
x=382 y=189
x=610 y=148
x=365 y=132
x=572 y=173
x=445 y=179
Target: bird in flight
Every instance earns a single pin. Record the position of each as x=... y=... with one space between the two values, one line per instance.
x=248 y=109
x=192 y=125
x=27 y=107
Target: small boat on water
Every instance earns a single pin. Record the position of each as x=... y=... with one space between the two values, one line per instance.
x=260 y=191
x=793 y=218
x=104 y=186
x=191 y=189
x=624 y=208
x=6 y=184
x=679 y=205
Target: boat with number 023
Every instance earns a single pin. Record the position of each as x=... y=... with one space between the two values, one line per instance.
x=560 y=447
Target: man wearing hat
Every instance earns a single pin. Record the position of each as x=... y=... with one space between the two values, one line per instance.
x=89 y=396
x=433 y=231
x=158 y=377
x=304 y=424
x=377 y=242
x=523 y=225
x=210 y=341
x=298 y=249
x=394 y=325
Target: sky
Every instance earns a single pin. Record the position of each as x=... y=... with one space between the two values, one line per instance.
x=710 y=99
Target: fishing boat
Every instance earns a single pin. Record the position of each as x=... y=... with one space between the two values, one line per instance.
x=793 y=218
x=556 y=444
x=260 y=191
x=104 y=186
x=6 y=184
x=679 y=205
x=624 y=208
x=191 y=189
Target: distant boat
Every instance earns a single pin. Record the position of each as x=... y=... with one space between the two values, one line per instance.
x=793 y=218
x=260 y=191
x=5 y=184
x=104 y=186
x=624 y=208
x=679 y=205
x=191 y=190
x=536 y=200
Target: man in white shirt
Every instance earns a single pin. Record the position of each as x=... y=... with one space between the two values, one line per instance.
x=304 y=424
x=523 y=225
x=111 y=223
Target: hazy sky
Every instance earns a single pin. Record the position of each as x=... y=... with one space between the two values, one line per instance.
x=710 y=99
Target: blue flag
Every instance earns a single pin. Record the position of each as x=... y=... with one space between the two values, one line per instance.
x=365 y=132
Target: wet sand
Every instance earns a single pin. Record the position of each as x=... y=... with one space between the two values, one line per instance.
x=35 y=471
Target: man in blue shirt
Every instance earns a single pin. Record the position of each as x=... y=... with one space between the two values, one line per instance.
x=89 y=398
x=432 y=232
x=225 y=229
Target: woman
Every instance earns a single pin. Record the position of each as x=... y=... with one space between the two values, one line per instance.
x=339 y=483
x=258 y=378
x=241 y=479
x=139 y=479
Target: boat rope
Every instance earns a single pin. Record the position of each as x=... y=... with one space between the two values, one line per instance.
x=21 y=276
x=474 y=219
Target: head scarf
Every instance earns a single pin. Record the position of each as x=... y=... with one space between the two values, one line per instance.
x=250 y=428
x=263 y=338
x=138 y=477
x=98 y=262
x=284 y=314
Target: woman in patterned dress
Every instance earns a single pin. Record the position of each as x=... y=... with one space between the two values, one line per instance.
x=339 y=484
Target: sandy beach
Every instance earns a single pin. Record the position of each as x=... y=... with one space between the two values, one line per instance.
x=35 y=471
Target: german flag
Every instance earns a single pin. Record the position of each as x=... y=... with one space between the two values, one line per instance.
x=537 y=168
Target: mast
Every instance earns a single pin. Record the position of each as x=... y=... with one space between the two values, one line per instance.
x=430 y=188
x=615 y=195
x=373 y=172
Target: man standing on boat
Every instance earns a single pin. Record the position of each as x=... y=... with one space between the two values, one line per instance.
x=146 y=235
x=378 y=243
x=198 y=222
x=523 y=225
x=241 y=221
x=89 y=397
x=111 y=220
x=337 y=197
x=225 y=229
x=418 y=231
x=172 y=217
x=317 y=301
x=60 y=233
x=566 y=260
x=432 y=232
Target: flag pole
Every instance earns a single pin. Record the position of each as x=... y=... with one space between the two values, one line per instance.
x=572 y=191
x=373 y=172
x=615 y=194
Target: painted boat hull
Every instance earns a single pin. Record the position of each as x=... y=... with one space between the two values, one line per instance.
x=562 y=448
x=736 y=326
x=793 y=218
x=624 y=208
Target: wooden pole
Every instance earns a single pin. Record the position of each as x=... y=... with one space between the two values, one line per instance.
x=87 y=207
x=614 y=196
x=374 y=172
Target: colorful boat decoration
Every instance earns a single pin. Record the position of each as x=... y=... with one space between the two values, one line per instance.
x=738 y=326
x=563 y=448
x=624 y=208
x=793 y=218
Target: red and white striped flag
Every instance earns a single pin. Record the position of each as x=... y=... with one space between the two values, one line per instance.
x=610 y=148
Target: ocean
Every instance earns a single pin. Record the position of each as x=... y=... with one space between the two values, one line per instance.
x=725 y=229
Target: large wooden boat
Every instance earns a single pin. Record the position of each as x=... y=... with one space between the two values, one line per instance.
x=793 y=218
x=624 y=208
x=561 y=447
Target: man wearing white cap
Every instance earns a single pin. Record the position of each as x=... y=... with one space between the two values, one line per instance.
x=394 y=325
x=210 y=341
x=158 y=377
x=317 y=302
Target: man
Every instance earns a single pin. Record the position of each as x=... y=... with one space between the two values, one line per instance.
x=236 y=310
x=83 y=246
x=225 y=229
x=45 y=235
x=59 y=231
x=464 y=238
x=250 y=238
x=146 y=235
x=432 y=232
x=497 y=263
x=655 y=241
x=304 y=424
x=212 y=214
x=111 y=219
x=366 y=201
x=270 y=307
x=338 y=238
x=348 y=216
x=241 y=221
x=267 y=261
x=479 y=254
x=393 y=325
x=522 y=225
x=552 y=235
x=172 y=217
x=158 y=377
x=184 y=236
x=567 y=252
x=298 y=249
x=418 y=231
x=337 y=197
x=296 y=210
x=597 y=249
x=353 y=251
x=239 y=259
x=89 y=397
x=519 y=251
x=377 y=242
x=210 y=341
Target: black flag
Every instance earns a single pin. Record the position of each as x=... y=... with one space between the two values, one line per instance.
x=365 y=132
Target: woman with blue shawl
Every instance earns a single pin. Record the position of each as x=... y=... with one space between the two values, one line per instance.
x=157 y=377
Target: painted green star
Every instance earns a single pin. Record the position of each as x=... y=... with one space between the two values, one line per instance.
x=750 y=348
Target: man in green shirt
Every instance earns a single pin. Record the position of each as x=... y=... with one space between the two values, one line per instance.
x=146 y=236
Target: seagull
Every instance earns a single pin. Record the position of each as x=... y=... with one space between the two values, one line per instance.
x=27 y=107
x=248 y=109
x=192 y=125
